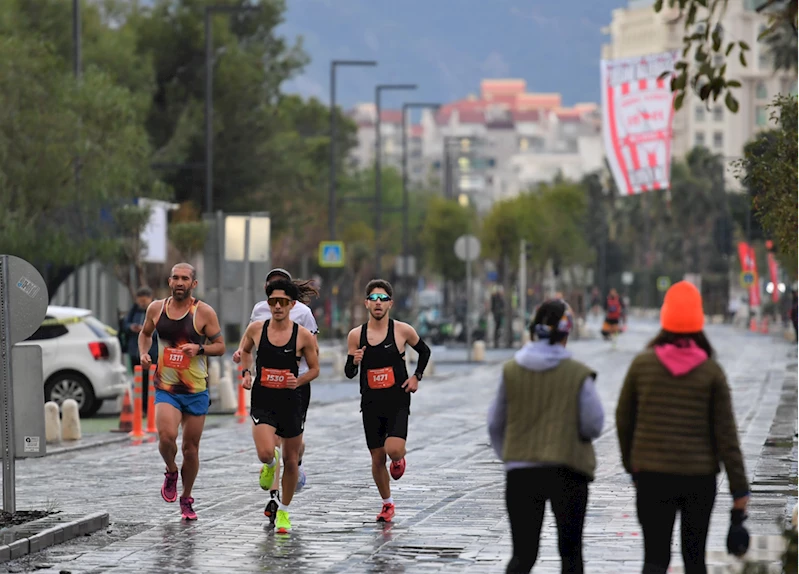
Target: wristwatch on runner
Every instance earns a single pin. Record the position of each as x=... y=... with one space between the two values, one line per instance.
x=418 y=376
x=201 y=350
x=245 y=372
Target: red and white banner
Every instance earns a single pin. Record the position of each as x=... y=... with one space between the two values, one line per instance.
x=772 y=268
x=637 y=116
x=746 y=253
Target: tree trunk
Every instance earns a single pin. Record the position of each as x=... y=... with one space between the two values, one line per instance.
x=54 y=278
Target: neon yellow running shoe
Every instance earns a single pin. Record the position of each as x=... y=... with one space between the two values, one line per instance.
x=283 y=524
x=268 y=473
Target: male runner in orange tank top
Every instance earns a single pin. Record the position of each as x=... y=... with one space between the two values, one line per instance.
x=188 y=333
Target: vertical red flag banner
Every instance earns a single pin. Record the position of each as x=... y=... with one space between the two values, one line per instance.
x=746 y=253
x=637 y=117
x=772 y=267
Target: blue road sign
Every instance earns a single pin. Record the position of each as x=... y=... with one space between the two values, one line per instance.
x=331 y=254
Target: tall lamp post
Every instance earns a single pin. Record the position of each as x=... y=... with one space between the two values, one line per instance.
x=209 y=94
x=77 y=68
x=405 y=198
x=379 y=89
x=331 y=212
x=331 y=217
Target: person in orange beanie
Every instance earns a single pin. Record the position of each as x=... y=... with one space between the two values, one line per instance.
x=675 y=424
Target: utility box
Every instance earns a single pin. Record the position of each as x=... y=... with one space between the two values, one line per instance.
x=28 y=385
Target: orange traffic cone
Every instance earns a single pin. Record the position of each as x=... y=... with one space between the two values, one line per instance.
x=753 y=325
x=137 y=431
x=764 y=326
x=126 y=416
x=241 y=411
x=151 y=402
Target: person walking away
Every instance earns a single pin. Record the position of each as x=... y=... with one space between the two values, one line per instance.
x=613 y=315
x=188 y=333
x=541 y=424
x=676 y=424
x=132 y=325
x=498 y=310
x=795 y=314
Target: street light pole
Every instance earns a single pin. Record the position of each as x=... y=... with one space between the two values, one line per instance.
x=378 y=180
x=405 y=198
x=331 y=212
x=331 y=217
x=76 y=33
x=209 y=95
x=77 y=64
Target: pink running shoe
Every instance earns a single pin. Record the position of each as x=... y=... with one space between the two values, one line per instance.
x=186 y=511
x=169 y=490
x=397 y=468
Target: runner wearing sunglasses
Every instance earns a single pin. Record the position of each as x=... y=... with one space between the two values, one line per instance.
x=303 y=316
x=379 y=347
x=280 y=396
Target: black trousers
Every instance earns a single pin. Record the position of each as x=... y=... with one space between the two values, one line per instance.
x=526 y=494
x=659 y=497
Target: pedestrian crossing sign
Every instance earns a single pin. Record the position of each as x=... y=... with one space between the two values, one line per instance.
x=331 y=254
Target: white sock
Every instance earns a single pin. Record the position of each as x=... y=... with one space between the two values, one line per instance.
x=284 y=507
x=274 y=460
x=389 y=500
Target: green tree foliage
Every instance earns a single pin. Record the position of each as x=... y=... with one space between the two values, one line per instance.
x=705 y=38
x=445 y=221
x=551 y=219
x=46 y=122
x=768 y=170
x=140 y=103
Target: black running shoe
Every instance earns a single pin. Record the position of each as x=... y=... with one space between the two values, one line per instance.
x=271 y=510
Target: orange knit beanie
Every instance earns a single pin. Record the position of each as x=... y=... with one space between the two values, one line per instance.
x=682 y=309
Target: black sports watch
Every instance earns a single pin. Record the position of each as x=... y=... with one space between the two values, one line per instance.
x=245 y=372
x=201 y=350
x=418 y=376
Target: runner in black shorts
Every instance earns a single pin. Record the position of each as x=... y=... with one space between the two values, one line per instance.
x=379 y=346
x=280 y=399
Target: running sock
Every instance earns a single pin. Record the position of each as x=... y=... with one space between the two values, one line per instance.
x=283 y=507
x=273 y=463
x=274 y=494
x=389 y=500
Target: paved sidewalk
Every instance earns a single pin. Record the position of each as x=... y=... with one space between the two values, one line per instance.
x=450 y=508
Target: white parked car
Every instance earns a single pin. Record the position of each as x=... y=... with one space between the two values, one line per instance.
x=82 y=359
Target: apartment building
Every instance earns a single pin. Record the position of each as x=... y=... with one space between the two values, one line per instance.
x=488 y=147
x=637 y=30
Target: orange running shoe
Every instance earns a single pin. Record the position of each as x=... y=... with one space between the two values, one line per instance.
x=387 y=513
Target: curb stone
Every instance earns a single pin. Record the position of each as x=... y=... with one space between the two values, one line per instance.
x=53 y=535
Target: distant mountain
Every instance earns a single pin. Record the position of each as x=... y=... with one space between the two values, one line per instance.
x=448 y=46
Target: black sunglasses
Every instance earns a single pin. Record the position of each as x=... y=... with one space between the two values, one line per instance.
x=379 y=297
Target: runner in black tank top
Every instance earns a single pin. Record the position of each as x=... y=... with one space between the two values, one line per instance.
x=279 y=396
x=272 y=403
x=382 y=373
x=385 y=386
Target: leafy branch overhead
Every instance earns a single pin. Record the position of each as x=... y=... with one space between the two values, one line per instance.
x=700 y=70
